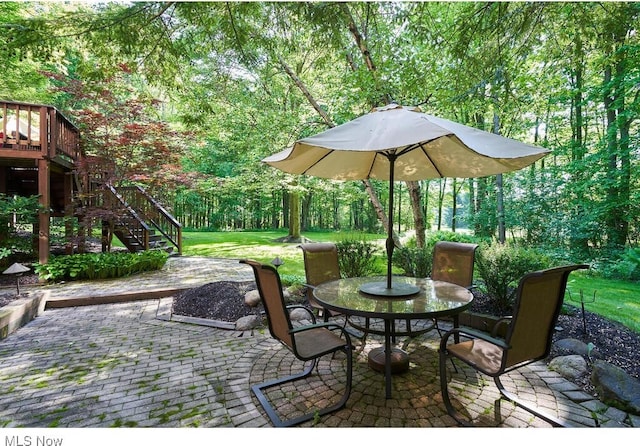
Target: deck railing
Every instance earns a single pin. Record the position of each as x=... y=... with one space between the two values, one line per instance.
x=37 y=131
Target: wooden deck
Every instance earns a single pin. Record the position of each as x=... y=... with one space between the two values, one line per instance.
x=39 y=155
x=39 y=149
x=33 y=132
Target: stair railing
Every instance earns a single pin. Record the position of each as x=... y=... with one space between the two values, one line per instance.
x=153 y=213
x=135 y=225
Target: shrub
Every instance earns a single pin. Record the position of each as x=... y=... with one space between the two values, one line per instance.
x=292 y=280
x=4 y=252
x=625 y=266
x=417 y=262
x=100 y=266
x=24 y=210
x=356 y=258
x=414 y=261
x=501 y=266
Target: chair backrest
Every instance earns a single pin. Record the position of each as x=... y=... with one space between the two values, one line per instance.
x=270 y=289
x=320 y=264
x=538 y=302
x=453 y=262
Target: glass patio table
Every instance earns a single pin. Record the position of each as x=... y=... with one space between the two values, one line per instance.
x=434 y=299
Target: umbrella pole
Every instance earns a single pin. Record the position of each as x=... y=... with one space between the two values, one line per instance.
x=390 y=243
x=388 y=289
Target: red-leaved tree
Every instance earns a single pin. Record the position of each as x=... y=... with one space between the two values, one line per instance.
x=124 y=140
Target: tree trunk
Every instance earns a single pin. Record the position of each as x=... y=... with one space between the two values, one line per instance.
x=372 y=194
x=619 y=119
x=294 y=217
x=443 y=185
x=502 y=236
x=415 y=197
x=454 y=204
x=306 y=212
x=579 y=241
x=305 y=91
x=377 y=206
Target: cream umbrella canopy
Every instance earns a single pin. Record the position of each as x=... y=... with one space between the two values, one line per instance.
x=397 y=143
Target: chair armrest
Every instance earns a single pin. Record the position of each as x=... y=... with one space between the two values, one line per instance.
x=473 y=334
x=499 y=322
x=327 y=325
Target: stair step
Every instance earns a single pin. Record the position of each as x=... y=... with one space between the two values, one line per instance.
x=130 y=230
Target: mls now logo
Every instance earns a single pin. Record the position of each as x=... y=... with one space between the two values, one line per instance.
x=28 y=440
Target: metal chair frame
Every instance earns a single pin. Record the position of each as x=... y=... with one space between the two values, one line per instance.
x=306 y=342
x=452 y=262
x=528 y=338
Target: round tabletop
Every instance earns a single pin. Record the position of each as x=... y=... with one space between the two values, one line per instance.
x=433 y=299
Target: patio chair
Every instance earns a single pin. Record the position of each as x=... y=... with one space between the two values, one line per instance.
x=306 y=342
x=528 y=338
x=320 y=265
x=453 y=262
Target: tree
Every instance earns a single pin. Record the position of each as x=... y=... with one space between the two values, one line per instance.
x=123 y=142
x=252 y=77
x=621 y=111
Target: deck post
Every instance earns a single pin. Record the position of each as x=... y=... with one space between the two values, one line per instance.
x=68 y=213
x=43 y=215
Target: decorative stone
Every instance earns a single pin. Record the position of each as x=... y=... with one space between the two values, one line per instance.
x=615 y=387
x=576 y=346
x=571 y=366
x=298 y=314
x=252 y=298
x=248 y=322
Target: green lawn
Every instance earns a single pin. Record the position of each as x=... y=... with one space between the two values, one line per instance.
x=261 y=246
x=616 y=300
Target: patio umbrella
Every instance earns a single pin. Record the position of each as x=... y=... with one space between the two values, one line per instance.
x=397 y=143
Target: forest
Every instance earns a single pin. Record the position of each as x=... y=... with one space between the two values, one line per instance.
x=187 y=98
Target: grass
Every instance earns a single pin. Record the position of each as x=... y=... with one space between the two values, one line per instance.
x=261 y=246
x=615 y=300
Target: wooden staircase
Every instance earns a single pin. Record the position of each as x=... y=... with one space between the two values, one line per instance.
x=142 y=223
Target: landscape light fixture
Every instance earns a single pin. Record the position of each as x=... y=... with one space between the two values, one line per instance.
x=277 y=262
x=17 y=269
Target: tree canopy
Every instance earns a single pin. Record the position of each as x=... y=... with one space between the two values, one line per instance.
x=246 y=79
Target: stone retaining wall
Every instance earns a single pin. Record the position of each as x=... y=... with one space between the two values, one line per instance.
x=21 y=311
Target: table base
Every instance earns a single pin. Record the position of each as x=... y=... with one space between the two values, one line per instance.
x=397 y=289
x=399 y=360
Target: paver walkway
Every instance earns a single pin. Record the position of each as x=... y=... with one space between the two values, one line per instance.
x=125 y=364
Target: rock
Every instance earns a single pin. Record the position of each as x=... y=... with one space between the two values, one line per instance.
x=576 y=346
x=615 y=387
x=299 y=314
x=248 y=322
x=252 y=298
x=571 y=366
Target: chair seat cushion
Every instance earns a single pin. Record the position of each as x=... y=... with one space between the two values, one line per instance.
x=481 y=354
x=316 y=342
